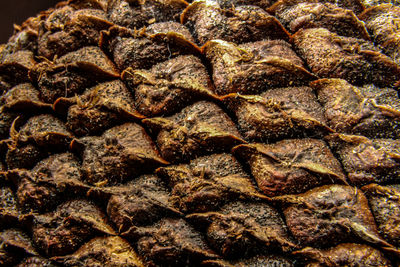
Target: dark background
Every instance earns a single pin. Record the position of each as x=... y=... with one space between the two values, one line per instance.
x=17 y=11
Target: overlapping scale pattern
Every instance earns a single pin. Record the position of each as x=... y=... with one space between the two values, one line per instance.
x=209 y=132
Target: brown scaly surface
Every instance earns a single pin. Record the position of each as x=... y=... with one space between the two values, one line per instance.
x=205 y=133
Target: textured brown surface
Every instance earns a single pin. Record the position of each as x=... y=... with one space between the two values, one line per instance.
x=209 y=133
